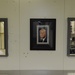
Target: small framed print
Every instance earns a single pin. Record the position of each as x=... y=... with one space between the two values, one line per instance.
x=42 y=34
x=3 y=37
x=71 y=37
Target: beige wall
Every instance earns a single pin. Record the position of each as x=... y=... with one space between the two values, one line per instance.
x=10 y=9
x=19 y=13
x=69 y=62
x=41 y=59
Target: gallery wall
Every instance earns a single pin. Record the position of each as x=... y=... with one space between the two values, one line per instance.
x=19 y=13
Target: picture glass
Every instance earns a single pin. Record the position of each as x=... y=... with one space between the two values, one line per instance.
x=3 y=37
x=71 y=37
x=42 y=34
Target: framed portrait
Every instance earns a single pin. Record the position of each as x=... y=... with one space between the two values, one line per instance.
x=42 y=31
x=42 y=34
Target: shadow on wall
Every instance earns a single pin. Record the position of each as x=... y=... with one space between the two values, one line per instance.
x=37 y=72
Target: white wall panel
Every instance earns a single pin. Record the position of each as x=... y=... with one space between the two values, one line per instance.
x=41 y=60
x=69 y=62
x=10 y=9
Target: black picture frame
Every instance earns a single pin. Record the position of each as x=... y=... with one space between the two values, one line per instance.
x=5 y=20
x=71 y=36
x=49 y=27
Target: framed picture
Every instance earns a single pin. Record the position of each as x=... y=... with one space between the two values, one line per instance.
x=42 y=34
x=3 y=37
x=42 y=31
x=71 y=37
